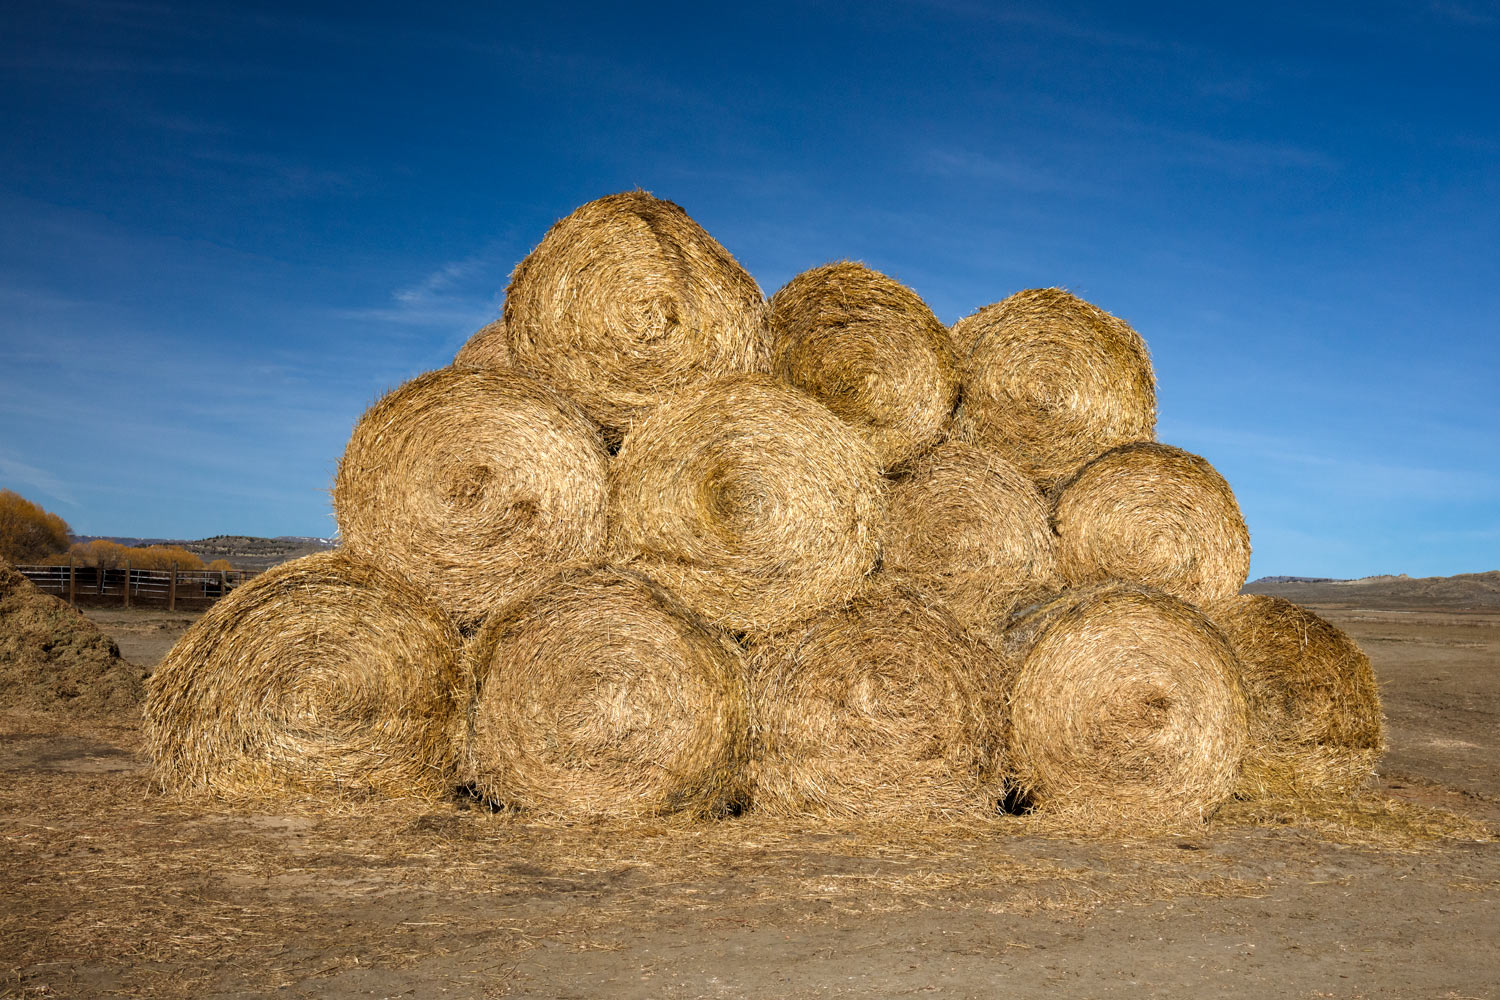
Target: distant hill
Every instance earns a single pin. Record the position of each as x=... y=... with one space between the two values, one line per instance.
x=1466 y=591
x=242 y=551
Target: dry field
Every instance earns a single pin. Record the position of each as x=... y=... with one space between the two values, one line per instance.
x=109 y=889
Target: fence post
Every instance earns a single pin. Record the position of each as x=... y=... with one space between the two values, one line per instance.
x=172 y=589
x=127 y=583
x=223 y=585
x=72 y=582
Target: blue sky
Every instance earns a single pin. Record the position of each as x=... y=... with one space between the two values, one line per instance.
x=228 y=229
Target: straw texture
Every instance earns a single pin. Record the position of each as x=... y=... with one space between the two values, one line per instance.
x=750 y=501
x=1050 y=381
x=1155 y=515
x=323 y=676
x=628 y=300
x=473 y=482
x=1315 y=721
x=600 y=694
x=883 y=707
x=869 y=349
x=487 y=348
x=1125 y=709
x=974 y=529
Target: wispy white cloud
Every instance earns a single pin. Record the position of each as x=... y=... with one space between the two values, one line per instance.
x=13 y=472
x=465 y=293
x=1009 y=171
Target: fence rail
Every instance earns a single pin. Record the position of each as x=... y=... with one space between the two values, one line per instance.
x=123 y=586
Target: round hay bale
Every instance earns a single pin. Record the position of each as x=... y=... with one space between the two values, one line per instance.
x=600 y=694
x=749 y=500
x=869 y=349
x=473 y=482
x=1156 y=515
x=974 y=529
x=1125 y=707
x=1050 y=381
x=322 y=676
x=628 y=300
x=487 y=348
x=882 y=707
x=1315 y=722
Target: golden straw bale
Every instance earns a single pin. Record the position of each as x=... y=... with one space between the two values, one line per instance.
x=322 y=676
x=1125 y=708
x=882 y=707
x=600 y=694
x=1315 y=722
x=628 y=300
x=749 y=500
x=487 y=348
x=1155 y=515
x=1051 y=381
x=974 y=529
x=869 y=349
x=473 y=482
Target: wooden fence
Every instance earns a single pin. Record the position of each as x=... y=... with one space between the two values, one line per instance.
x=122 y=586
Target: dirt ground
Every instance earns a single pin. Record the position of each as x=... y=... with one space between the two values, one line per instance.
x=109 y=889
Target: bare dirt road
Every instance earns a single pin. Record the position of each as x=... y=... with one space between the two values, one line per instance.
x=108 y=888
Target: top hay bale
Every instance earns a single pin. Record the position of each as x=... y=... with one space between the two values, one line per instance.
x=487 y=348
x=1050 y=381
x=628 y=300
x=750 y=501
x=473 y=482
x=1315 y=722
x=1156 y=515
x=869 y=349
x=970 y=526
x=322 y=676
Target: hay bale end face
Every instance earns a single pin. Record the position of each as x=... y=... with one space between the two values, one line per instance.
x=599 y=694
x=1125 y=709
x=749 y=500
x=883 y=707
x=1155 y=515
x=1051 y=381
x=973 y=528
x=323 y=676
x=869 y=349
x=487 y=348
x=473 y=482
x=627 y=301
x=1315 y=721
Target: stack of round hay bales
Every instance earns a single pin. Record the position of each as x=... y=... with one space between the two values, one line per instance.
x=821 y=556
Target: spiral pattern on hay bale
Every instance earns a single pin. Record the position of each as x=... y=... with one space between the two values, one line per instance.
x=1156 y=515
x=628 y=300
x=974 y=529
x=1051 y=381
x=473 y=482
x=869 y=349
x=600 y=694
x=1125 y=708
x=487 y=348
x=882 y=707
x=1315 y=721
x=749 y=500
x=322 y=676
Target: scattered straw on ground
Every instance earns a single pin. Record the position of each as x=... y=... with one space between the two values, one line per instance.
x=749 y=500
x=1155 y=515
x=885 y=706
x=600 y=694
x=323 y=676
x=1315 y=719
x=869 y=349
x=474 y=483
x=627 y=301
x=1051 y=381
